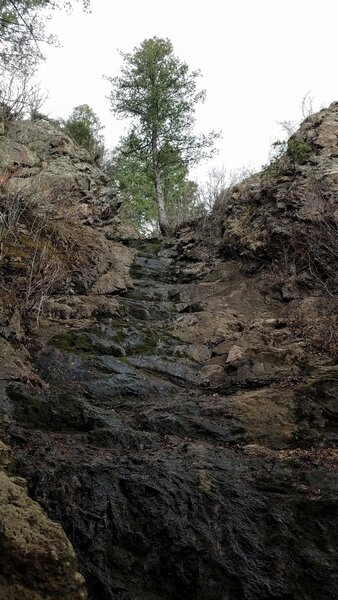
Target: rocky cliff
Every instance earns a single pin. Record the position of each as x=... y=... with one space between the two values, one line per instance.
x=173 y=404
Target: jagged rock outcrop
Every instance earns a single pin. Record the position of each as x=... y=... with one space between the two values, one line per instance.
x=58 y=215
x=37 y=562
x=56 y=211
x=39 y=160
x=186 y=444
x=289 y=212
x=183 y=427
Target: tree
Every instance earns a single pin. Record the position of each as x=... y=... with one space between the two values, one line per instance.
x=217 y=181
x=132 y=176
x=20 y=96
x=84 y=128
x=22 y=29
x=158 y=93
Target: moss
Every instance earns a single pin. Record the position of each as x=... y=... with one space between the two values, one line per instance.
x=73 y=342
x=26 y=246
x=136 y=271
x=121 y=557
x=124 y=359
x=121 y=338
x=148 y=247
x=33 y=413
x=17 y=265
x=134 y=338
x=61 y=412
x=83 y=344
x=14 y=252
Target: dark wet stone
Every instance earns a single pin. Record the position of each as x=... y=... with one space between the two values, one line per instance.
x=58 y=367
x=168 y=490
x=192 y=522
x=62 y=410
x=171 y=369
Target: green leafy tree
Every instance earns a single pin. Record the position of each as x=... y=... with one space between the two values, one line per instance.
x=133 y=177
x=22 y=29
x=84 y=128
x=158 y=93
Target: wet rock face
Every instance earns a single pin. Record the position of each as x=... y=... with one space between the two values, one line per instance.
x=184 y=439
x=36 y=559
x=187 y=520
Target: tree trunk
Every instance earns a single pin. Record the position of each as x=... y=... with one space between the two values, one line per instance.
x=162 y=214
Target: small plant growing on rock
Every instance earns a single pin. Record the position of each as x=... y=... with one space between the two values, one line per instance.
x=286 y=154
x=298 y=152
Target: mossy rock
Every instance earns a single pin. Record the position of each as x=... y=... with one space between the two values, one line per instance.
x=59 y=411
x=148 y=247
x=73 y=342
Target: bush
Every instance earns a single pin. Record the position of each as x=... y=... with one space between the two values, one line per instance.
x=320 y=332
x=38 y=255
x=84 y=127
x=287 y=154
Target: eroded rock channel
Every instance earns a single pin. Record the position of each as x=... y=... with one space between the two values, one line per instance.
x=178 y=442
x=171 y=404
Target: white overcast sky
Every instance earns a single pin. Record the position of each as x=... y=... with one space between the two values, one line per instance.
x=258 y=59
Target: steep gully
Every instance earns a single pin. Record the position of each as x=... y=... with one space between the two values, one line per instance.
x=185 y=441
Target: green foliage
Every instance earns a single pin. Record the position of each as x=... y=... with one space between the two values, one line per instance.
x=23 y=13
x=22 y=29
x=36 y=115
x=158 y=94
x=298 y=152
x=133 y=177
x=286 y=154
x=84 y=128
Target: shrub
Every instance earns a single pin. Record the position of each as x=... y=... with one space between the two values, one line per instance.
x=298 y=152
x=84 y=127
x=286 y=154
